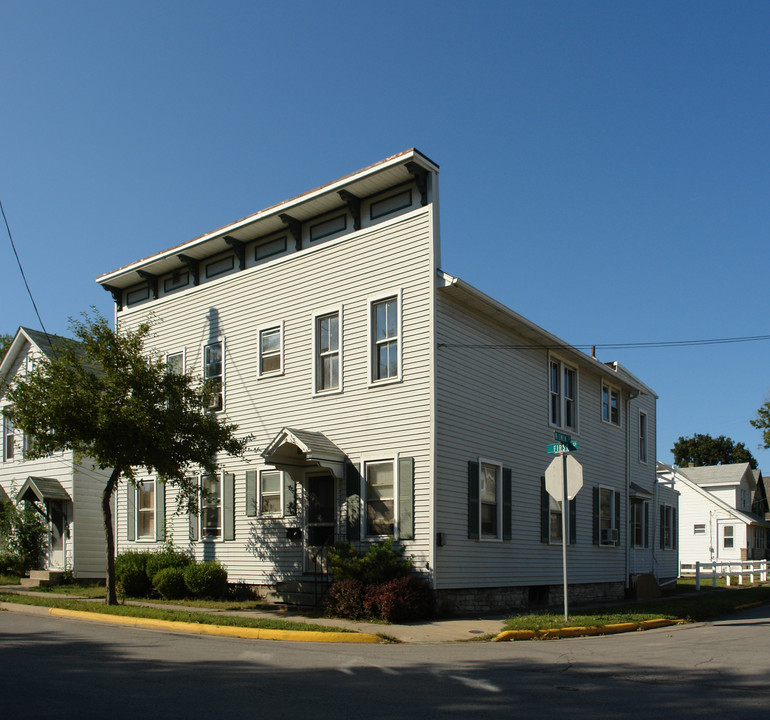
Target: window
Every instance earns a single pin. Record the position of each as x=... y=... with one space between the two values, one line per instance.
x=563 y=395
x=270 y=248
x=380 y=498
x=328 y=360
x=391 y=204
x=699 y=529
x=489 y=496
x=610 y=405
x=551 y=520
x=145 y=510
x=213 y=374
x=9 y=438
x=270 y=492
x=211 y=507
x=640 y=523
x=176 y=281
x=642 y=437
x=385 y=331
x=217 y=267
x=175 y=363
x=728 y=536
x=609 y=502
x=667 y=527
x=490 y=500
x=328 y=227
x=270 y=351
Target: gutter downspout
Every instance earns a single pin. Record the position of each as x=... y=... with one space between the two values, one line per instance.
x=629 y=398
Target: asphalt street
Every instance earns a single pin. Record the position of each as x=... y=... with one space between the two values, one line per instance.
x=59 y=668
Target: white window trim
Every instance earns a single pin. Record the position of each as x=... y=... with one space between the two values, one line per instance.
x=183 y=353
x=379 y=459
x=645 y=437
x=610 y=389
x=614 y=523
x=398 y=296
x=281 y=492
x=562 y=400
x=316 y=315
x=265 y=328
x=731 y=546
x=5 y=437
x=668 y=523
x=643 y=508
x=207 y=538
x=499 y=500
x=154 y=510
x=214 y=341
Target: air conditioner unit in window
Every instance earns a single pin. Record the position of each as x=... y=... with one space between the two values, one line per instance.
x=609 y=536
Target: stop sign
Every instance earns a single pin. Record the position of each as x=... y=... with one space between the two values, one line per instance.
x=554 y=477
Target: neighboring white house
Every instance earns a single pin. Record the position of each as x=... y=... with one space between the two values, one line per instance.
x=388 y=399
x=65 y=490
x=722 y=512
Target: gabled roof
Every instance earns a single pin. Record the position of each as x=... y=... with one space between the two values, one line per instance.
x=41 y=489
x=45 y=343
x=3 y=495
x=731 y=474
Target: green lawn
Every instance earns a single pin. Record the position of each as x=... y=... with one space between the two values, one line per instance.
x=691 y=608
x=164 y=614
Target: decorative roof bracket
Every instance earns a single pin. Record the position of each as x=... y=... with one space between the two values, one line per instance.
x=420 y=175
x=240 y=250
x=354 y=205
x=117 y=295
x=193 y=266
x=152 y=281
x=295 y=228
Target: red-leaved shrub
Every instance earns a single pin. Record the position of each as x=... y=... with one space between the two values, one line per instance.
x=346 y=599
x=399 y=600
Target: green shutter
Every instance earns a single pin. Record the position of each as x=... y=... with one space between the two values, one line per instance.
x=545 y=513
x=130 y=511
x=617 y=516
x=646 y=524
x=228 y=506
x=573 y=521
x=193 y=517
x=251 y=493
x=507 y=503
x=662 y=523
x=473 y=500
x=406 y=498
x=674 y=529
x=596 y=515
x=353 y=495
x=160 y=510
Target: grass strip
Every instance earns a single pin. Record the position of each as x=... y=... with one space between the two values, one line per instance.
x=691 y=608
x=170 y=615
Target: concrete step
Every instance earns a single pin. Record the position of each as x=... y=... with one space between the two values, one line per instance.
x=52 y=577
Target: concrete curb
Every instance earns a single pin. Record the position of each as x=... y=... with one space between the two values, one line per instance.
x=198 y=628
x=552 y=633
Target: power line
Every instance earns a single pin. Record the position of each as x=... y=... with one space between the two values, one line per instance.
x=608 y=346
x=21 y=270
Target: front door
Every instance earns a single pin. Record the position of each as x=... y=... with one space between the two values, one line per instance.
x=57 y=535
x=321 y=523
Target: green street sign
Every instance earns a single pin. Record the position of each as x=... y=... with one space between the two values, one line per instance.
x=561 y=437
x=562 y=448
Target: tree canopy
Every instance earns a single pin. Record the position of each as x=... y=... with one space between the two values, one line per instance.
x=762 y=422
x=106 y=397
x=5 y=343
x=706 y=450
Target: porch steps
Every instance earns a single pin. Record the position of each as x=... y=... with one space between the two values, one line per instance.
x=42 y=578
x=298 y=593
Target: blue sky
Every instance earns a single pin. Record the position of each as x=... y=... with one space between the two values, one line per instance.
x=604 y=165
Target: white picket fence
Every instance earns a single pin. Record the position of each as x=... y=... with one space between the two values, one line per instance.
x=728 y=569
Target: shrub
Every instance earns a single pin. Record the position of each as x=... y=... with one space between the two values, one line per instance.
x=168 y=558
x=10 y=564
x=399 y=600
x=206 y=580
x=169 y=582
x=381 y=562
x=131 y=573
x=23 y=534
x=346 y=599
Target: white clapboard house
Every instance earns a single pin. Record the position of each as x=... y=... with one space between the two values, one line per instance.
x=387 y=398
x=65 y=489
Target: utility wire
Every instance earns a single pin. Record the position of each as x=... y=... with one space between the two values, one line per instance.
x=21 y=270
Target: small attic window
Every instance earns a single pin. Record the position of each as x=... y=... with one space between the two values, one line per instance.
x=328 y=227
x=218 y=267
x=268 y=249
x=176 y=281
x=138 y=295
x=391 y=204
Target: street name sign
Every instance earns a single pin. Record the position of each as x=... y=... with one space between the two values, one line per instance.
x=562 y=447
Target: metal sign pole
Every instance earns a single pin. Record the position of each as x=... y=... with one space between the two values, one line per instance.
x=564 y=536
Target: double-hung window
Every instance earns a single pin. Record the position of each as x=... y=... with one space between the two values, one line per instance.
x=728 y=536
x=328 y=351
x=640 y=523
x=211 y=506
x=668 y=527
x=145 y=510
x=214 y=373
x=562 y=382
x=270 y=351
x=642 y=437
x=9 y=438
x=380 y=498
x=175 y=363
x=610 y=404
x=385 y=323
x=490 y=490
x=277 y=495
x=607 y=516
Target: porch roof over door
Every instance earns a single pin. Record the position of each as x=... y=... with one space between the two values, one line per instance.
x=4 y=495
x=293 y=449
x=41 y=489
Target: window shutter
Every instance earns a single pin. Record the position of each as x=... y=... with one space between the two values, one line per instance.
x=473 y=500
x=193 y=518
x=160 y=510
x=353 y=495
x=646 y=524
x=662 y=529
x=507 y=503
x=596 y=515
x=573 y=521
x=130 y=511
x=228 y=507
x=674 y=528
x=617 y=515
x=289 y=495
x=251 y=493
x=406 y=498
x=545 y=513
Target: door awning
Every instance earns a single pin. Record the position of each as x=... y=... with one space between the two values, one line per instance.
x=294 y=449
x=4 y=496
x=639 y=493
x=41 y=489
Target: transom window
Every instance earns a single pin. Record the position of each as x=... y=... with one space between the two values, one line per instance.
x=213 y=373
x=145 y=510
x=271 y=350
x=380 y=498
x=610 y=404
x=562 y=380
x=211 y=506
x=385 y=339
x=327 y=359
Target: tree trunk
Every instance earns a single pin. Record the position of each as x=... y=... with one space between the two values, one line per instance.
x=109 y=536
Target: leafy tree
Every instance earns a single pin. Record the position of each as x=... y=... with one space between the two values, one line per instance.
x=107 y=398
x=762 y=422
x=706 y=450
x=5 y=343
x=23 y=534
